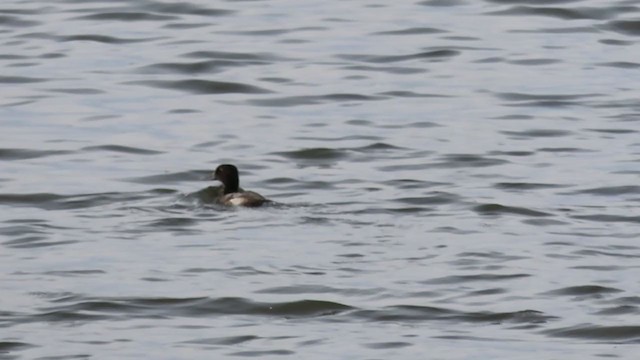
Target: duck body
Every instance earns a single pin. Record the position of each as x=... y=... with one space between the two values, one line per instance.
x=232 y=194
x=243 y=198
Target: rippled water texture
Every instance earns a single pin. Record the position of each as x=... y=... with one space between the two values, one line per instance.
x=452 y=179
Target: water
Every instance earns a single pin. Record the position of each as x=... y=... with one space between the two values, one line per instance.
x=454 y=179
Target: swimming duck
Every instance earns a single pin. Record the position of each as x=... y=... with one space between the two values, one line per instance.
x=227 y=174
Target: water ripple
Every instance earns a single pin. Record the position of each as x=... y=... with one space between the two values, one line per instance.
x=20 y=80
x=50 y=201
x=609 y=218
x=406 y=313
x=9 y=346
x=523 y=186
x=497 y=209
x=536 y=133
x=456 y=279
x=313 y=100
x=626 y=334
x=427 y=55
x=561 y=13
x=161 y=307
x=314 y=154
x=626 y=27
x=611 y=190
x=203 y=87
x=22 y=154
x=550 y=100
x=411 y=31
x=584 y=290
x=127 y=16
x=16 y=21
x=122 y=149
x=261 y=57
x=199 y=67
x=102 y=39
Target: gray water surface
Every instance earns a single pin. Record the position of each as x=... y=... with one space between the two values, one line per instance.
x=452 y=179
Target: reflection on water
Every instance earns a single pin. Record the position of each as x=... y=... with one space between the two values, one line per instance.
x=447 y=175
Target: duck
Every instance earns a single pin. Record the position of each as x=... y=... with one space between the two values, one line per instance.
x=232 y=194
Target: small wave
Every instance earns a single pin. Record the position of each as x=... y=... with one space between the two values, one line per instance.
x=609 y=218
x=236 y=271
x=22 y=154
x=621 y=64
x=102 y=39
x=584 y=290
x=381 y=146
x=468 y=160
x=511 y=96
x=622 y=255
x=443 y=3
x=274 y=32
x=122 y=149
x=171 y=178
x=20 y=80
x=626 y=27
x=345 y=138
x=561 y=30
x=613 y=131
x=405 y=313
x=386 y=69
x=226 y=340
x=200 y=67
x=387 y=345
x=35 y=241
x=78 y=91
x=49 y=201
x=620 y=310
x=411 y=94
x=412 y=184
x=450 y=161
x=556 y=12
x=262 y=353
x=70 y=273
x=427 y=55
x=10 y=346
x=497 y=209
x=188 y=307
x=185 y=8
x=313 y=100
x=204 y=87
x=516 y=186
x=436 y=198
x=543 y=100
x=538 y=133
x=563 y=150
x=629 y=334
x=225 y=55
x=534 y=62
x=457 y=279
x=127 y=16
x=294 y=184
x=318 y=289
x=314 y=154
x=412 y=313
x=16 y=21
x=411 y=31
x=611 y=190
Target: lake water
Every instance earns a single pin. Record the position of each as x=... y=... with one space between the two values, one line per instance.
x=453 y=179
